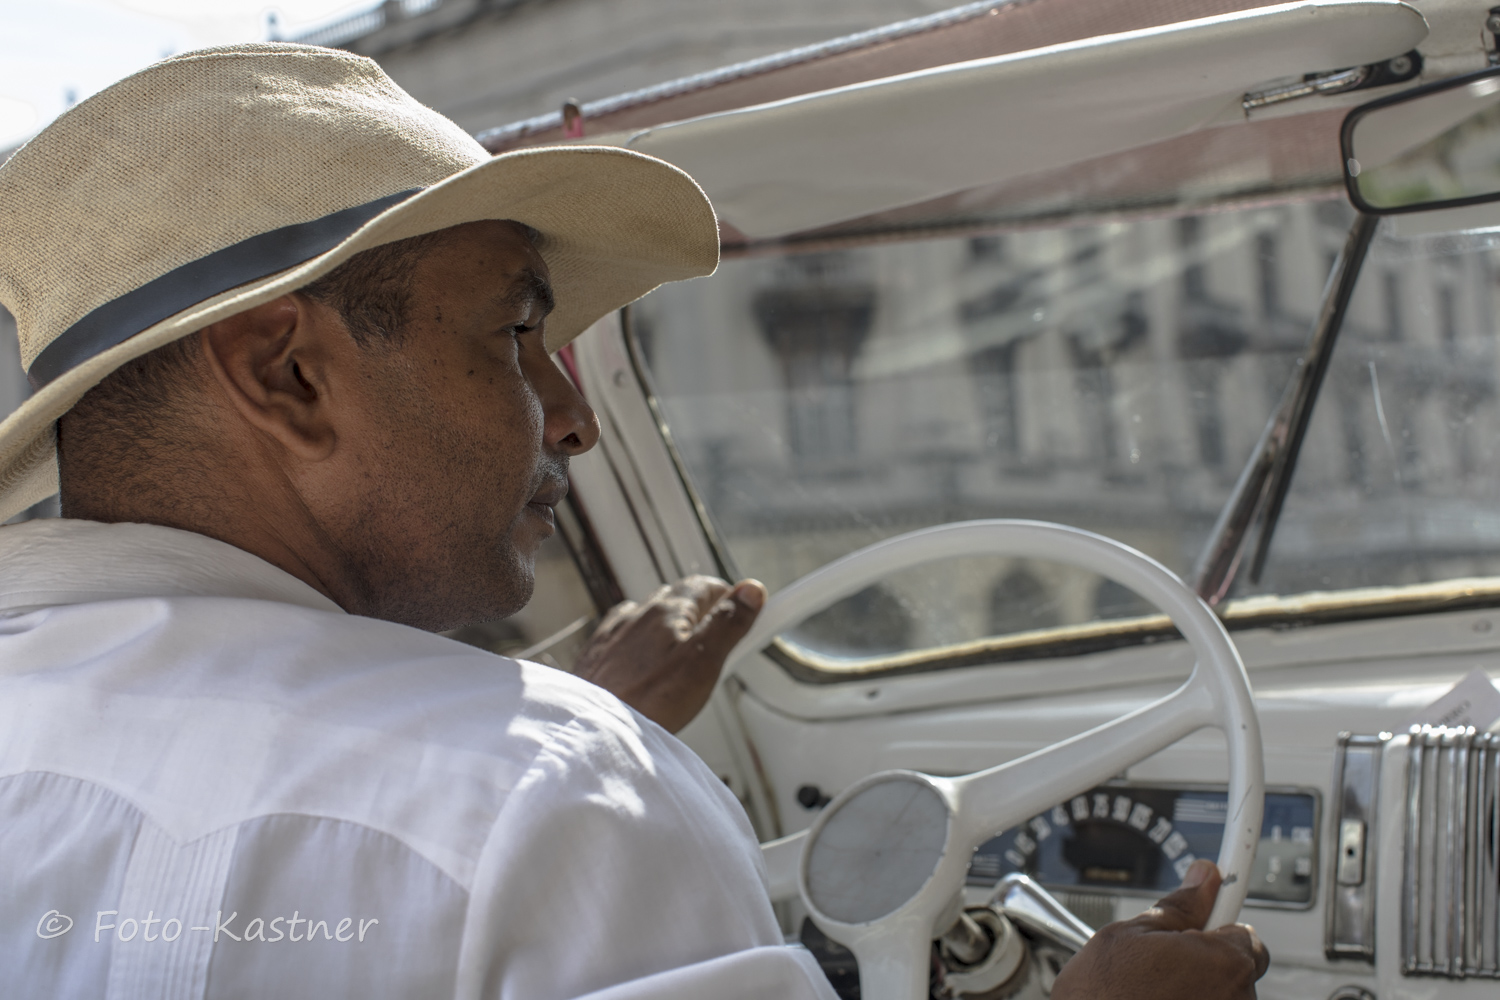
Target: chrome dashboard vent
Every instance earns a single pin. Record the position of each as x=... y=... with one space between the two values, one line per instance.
x=1450 y=920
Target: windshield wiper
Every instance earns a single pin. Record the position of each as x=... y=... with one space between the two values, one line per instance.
x=1261 y=488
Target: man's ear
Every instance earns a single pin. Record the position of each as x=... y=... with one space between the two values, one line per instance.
x=272 y=362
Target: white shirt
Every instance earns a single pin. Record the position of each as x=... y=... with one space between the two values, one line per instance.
x=215 y=783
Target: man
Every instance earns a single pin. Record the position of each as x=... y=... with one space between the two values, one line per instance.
x=290 y=334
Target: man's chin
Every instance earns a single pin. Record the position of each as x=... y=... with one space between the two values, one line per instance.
x=488 y=594
x=504 y=592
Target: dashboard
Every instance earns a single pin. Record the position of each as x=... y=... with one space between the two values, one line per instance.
x=1336 y=931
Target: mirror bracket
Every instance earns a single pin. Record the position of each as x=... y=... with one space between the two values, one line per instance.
x=1397 y=69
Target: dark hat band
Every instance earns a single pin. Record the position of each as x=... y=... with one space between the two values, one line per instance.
x=117 y=320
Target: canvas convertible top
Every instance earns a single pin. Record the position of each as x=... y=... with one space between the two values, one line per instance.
x=1210 y=101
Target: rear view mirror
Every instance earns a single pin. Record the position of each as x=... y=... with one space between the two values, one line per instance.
x=1437 y=146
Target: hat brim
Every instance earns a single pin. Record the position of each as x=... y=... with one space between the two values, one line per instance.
x=615 y=224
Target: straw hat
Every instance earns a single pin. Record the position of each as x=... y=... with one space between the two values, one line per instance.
x=219 y=179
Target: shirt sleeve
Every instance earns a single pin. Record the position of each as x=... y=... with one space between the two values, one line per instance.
x=620 y=868
x=781 y=972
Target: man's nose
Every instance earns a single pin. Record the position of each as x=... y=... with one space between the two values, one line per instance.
x=569 y=422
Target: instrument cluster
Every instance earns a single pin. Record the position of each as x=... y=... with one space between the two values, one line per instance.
x=1140 y=839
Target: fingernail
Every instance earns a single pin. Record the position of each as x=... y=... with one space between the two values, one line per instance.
x=1197 y=873
x=751 y=593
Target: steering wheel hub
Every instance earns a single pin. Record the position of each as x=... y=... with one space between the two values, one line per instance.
x=878 y=847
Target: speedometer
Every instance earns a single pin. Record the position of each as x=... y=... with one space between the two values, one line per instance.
x=1137 y=838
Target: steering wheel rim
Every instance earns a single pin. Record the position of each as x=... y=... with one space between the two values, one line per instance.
x=881 y=869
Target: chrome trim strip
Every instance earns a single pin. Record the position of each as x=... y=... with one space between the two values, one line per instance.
x=1349 y=926
x=502 y=137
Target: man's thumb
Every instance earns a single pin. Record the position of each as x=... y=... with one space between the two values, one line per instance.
x=1187 y=909
x=732 y=617
x=751 y=594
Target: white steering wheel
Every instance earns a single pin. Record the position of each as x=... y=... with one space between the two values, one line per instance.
x=882 y=869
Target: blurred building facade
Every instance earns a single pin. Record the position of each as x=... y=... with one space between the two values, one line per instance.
x=1114 y=376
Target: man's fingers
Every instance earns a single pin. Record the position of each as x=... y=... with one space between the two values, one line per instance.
x=1186 y=909
x=684 y=606
x=1244 y=939
x=703 y=591
x=613 y=617
x=731 y=619
x=677 y=612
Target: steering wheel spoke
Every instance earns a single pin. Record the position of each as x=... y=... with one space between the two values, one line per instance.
x=1002 y=797
x=894 y=960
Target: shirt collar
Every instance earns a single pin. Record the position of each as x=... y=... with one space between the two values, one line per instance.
x=52 y=561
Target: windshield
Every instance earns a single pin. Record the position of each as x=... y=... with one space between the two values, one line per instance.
x=1115 y=377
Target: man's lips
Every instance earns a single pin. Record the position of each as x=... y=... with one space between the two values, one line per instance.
x=544 y=512
x=551 y=494
x=548 y=497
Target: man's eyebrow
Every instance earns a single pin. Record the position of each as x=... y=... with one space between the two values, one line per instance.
x=529 y=288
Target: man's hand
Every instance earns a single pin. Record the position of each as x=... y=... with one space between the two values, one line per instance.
x=663 y=657
x=1163 y=954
